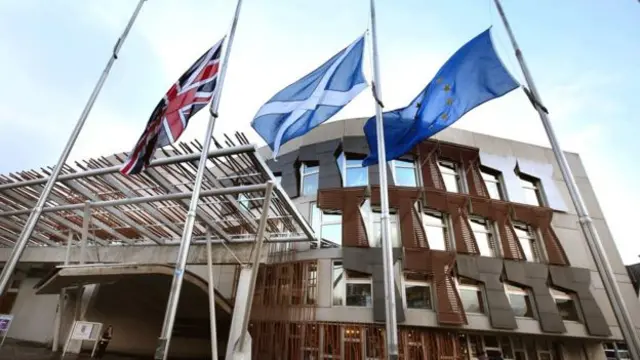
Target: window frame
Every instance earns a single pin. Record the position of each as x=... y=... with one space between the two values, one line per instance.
x=496 y=178
x=532 y=239
x=510 y=289
x=347 y=281
x=303 y=174
x=319 y=227
x=528 y=182
x=408 y=164
x=446 y=231
x=489 y=231
x=557 y=294
x=480 y=294
x=343 y=166
x=409 y=283
x=452 y=168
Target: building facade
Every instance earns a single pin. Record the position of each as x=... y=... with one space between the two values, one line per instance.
x=488 y=257
x=487 y=250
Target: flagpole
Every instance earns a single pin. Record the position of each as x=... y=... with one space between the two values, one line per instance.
x=30 y=225
x=162 y=351
x=387 y=248
x=586 y=223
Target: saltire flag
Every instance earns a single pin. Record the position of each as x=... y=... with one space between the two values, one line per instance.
x=312 y=100
x=471 y=77
x=187 y=96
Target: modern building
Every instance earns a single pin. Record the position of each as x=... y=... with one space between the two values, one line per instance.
x=487 y=250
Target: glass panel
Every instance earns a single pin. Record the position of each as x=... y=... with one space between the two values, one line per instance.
x=418 y=296
x=450 y=183
x=359 y=295
x=531 y=197
x=338 y=283
x=494 y=190
x=567 y=309
x=528 y=249
x=507 y=351
x=521 y=305
x=340 y=161
x=520 y=355
x=405 y=175
x=471 y=300
x=491 y=341
x=544 y=356
x=308 y=169
x=333 y=233
x=357 y=176
x=436 y=238
x=315 y=218
x=310 y=184
x=278 y=179
x=376 y=236
x=484 y=244
x=432 y=219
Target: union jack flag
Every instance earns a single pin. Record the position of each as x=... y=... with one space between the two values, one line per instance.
x=187 y=96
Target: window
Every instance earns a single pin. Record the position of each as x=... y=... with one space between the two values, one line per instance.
x=435 y=227
x=352 y=171
x=404 y=173
x=278 y=178
x=351 y=288
x=372 y=220
x=616 y=351
x=417 y=292
x=450 y=176
x=527 y=241
x=471 y=296
x=309 y=176
x=520 y=301
x=530 y=187
x=492 y=182
x=546 y=349
x=566 y=305
x=484 y=237
x=327 y=225
x=508 y=348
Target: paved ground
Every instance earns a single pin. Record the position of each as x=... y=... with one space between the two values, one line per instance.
x=28 y=351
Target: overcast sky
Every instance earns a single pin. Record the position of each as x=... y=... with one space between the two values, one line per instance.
x=583 y=53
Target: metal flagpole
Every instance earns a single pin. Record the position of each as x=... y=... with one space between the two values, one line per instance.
x=387 y=248
x=586 y=223
x=30 y=225
x=162 y=351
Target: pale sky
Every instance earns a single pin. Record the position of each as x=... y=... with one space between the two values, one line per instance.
x=583 y=54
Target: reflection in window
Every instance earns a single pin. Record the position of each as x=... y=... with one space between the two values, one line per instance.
x=471 y=296
x=484 y=237
x=351 y=288
x=352 y=171
x=309 y=179
x=566 y=305
x=405 y=173
x=450 y=176
x=520 y=301
x=327 y=225
x=531 y=189
x=435 y=227
x=417 y=292
x=492 y=182
x=372 y=220
x=527 y=241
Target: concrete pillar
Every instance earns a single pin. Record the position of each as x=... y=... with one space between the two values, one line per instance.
x=237 y=318
x=83 y=303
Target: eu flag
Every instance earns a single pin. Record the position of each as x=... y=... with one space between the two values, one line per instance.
x=472 y=76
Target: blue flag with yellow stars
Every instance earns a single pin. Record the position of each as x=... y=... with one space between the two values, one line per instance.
x=472 y=76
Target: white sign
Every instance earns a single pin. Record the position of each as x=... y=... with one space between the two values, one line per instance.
x=82 y=330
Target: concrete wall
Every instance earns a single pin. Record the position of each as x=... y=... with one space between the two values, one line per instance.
x=34 y=315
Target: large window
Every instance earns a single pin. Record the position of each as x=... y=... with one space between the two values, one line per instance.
x=528 y=242
x=450 y=175
x=492 y=182
x=372 y=220
x=309 y=179
x=520 y=301
x=327 y=225
x=471 y=296
x=350 y=288
x=405 y=173
x=417 y=292
x=484 y=236
x=353 y=174
x=435 y=226
x=531 y=189
x=508 y=348
x=566 y=305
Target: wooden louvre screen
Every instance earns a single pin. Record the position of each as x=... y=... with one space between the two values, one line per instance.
x=348 y=202
x=540 y=218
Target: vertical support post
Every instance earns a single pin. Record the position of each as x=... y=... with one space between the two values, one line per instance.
x=30 y=225
x=86 y=220
x=212 y=301
x=255 y=266
x=162 y=350
x=586 y=223
x=391 y=324
x=61 y=302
